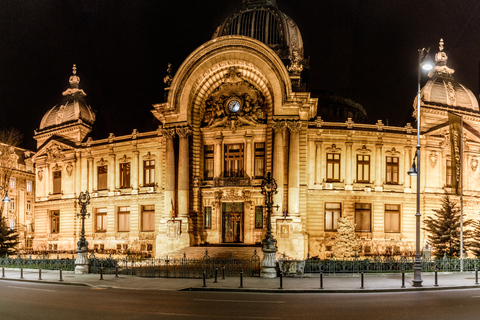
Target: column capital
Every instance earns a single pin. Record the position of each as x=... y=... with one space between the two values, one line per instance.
x=183 y=132
x=279 y=125
x=169 y=132
x=294 y=126
x=318 y=143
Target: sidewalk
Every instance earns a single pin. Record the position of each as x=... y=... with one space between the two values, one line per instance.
x=347 y=283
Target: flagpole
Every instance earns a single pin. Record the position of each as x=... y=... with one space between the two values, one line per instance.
x=461 y=193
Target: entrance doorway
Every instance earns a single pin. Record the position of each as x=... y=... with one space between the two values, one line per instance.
x=232 y=222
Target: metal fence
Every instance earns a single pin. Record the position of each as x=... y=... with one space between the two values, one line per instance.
x=35 y=262
x=177 y=267
x=388 y=265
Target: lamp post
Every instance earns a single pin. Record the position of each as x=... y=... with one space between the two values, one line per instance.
x=5 y=199
x=81 y=263
x=425 y=63
x=269 y=244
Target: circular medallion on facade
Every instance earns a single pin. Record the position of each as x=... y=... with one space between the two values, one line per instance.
x=234 y=105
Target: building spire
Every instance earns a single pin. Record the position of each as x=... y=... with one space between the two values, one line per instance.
x=74 y=79
x=441 y=58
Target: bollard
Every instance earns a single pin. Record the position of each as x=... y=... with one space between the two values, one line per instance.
x=223 y=277
x=116 y=271
x=281 y=280
x=241 y=279
x=21 y=272
x=476 y=275
x=321 y=279
x=3 y=271
x=204 y=279
x=61 y=277
x=39 y=273
x=436 y=278
x=361 y=280
x=403 y=278
x=101 y=273
x=216 y=271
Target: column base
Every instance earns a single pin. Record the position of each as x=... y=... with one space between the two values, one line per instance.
x=268 y=264
x=81 y=263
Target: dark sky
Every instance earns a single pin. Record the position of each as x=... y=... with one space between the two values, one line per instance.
x=360 y=49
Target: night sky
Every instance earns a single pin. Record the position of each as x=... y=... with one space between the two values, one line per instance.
x=362 y=50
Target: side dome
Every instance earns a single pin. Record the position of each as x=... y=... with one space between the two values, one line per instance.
x=442 y=90
x=72 y=109
x=262 y=20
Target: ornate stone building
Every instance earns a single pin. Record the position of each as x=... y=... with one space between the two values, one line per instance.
x=17 y=176
x=236 y=109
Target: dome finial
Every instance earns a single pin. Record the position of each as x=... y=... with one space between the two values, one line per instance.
x=74 y=79
x=441 y=43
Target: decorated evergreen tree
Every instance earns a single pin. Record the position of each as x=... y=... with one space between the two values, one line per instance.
x=474 y=242
x=346 y=244
x=444 y=229
x=8 y=239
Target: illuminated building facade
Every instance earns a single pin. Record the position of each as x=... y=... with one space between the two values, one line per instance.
x=236 y=109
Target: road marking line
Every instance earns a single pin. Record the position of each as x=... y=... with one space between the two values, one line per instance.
x=247 y=301
x=32 y=289
x=212 y=316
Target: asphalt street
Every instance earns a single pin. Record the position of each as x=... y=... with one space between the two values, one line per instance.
x=30 y=300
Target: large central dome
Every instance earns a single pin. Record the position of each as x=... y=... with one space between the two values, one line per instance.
x=262 y=20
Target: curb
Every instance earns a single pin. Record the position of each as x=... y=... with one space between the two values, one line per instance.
x=49 y=282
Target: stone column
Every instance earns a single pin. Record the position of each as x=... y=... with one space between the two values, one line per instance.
x=348 y=165
x=311 y=167
x=48 y=179
x=217 y=157
x=249 y=167
x=318 y=163
x=111 y=172
x=408 y=160
x=90 y=169
x=135 y=171
x=159 y=165
x=169 y=171
x=378 y=166
x=183 y=172
x=279 y=166
x=78 y=172
x=294 y=169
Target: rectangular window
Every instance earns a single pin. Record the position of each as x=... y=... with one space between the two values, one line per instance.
x=392 y=170
x=259 y=160
x=149 y=173
x=29 y=186
x=123 y=219
x=208 y=158
x=125 y=175
x=148 y=218
x=55 y=221
x=363 y=216
x=448 y=181
x=29 y=206
x=12 y=183
x=101 y=220
x=12 y=204
x=12 y=224
x=392 y=218
x=208 y=218
x=333 y=211
x=57 y=182
x=363 y=168
x=259 y=217
x=233 y=160
x=102 y=174
x=333 y=167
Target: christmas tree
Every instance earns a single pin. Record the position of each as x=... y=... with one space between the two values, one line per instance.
x=8 y=239
x=474 y=242
x=346 y=243
x=444 y=229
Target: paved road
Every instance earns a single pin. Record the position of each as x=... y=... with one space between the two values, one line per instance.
x=26 y=300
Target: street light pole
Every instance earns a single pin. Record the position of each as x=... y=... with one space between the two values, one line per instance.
x=269 y=244
x=425 y=64
x=81 y=263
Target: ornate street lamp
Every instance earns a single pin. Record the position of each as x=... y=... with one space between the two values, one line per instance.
x=81 y=264
x=5 y=199
x=425 y=63
x=269 y=244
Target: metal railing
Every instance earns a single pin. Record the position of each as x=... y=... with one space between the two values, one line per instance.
x=40 y=261
x=388 y=265
x=177 y=267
